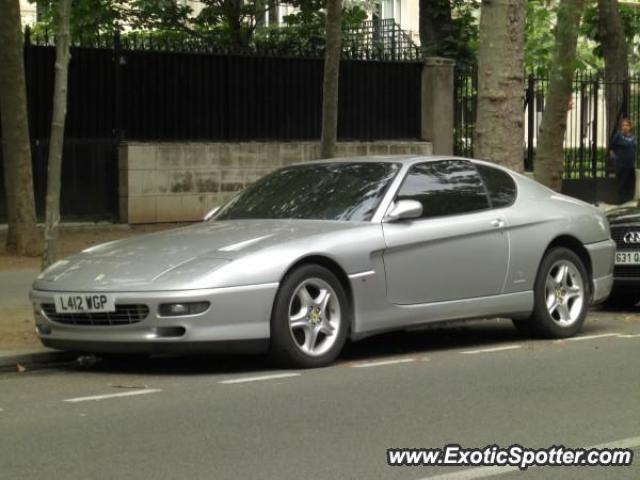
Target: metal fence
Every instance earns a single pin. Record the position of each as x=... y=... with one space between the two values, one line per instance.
x=377 y=39
x=160 y=95
x=380 y=39
x=589 y=125
x=591 y=121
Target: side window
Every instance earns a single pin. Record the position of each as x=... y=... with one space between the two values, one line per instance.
x=501 y=187
x=447 y=187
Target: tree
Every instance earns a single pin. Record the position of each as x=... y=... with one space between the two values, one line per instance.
x=499 y=130
x=448 y=28
x=616 y=65
x=331 y=78
x=22 y=237
x=56 y=140
x=539 y=40
x=550 y=154
x=436 y=25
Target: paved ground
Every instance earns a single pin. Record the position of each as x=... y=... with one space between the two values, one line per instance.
x=16 y=313
x=234 y=417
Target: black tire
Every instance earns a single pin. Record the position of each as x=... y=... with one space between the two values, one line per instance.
x=285 y=343
x=542 y=322
x=621 y=300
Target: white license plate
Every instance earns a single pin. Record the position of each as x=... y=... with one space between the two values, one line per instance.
x=84 y=303
x=631 y=257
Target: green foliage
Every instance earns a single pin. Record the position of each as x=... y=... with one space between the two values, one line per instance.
x=463 y=41
x=225 y=24
x=539 y=37
x=630 y=17
x=459 y=37
x=88 y=17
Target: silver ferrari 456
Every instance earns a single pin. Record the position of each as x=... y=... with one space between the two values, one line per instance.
x=317 y=253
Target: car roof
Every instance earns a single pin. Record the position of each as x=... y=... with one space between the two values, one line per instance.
x=403 y=159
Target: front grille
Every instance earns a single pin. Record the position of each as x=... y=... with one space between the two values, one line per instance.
x=124 y=315
x=617 y=233
x=626 y=271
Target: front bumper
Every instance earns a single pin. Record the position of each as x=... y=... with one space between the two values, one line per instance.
x=602 y=255
x=237 y=320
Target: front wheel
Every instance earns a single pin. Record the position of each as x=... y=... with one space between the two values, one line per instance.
x=310 y=318
x=561 y=296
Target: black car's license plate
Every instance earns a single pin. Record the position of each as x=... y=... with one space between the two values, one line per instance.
x=628 y=258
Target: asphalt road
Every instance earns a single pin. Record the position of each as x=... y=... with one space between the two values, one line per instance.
x=233 y=417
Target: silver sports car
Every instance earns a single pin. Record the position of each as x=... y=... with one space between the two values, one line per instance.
x=315 y=253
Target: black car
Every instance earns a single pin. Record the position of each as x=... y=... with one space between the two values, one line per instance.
x=625 y=230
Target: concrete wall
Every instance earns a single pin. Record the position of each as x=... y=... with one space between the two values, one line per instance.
x=174 y=182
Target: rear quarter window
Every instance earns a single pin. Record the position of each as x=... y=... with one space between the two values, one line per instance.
x=500 y=186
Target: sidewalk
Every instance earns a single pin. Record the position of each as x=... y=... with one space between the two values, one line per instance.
x=19 y=344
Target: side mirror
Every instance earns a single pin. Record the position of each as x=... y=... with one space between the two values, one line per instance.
x=210 y=214
x=404 y=209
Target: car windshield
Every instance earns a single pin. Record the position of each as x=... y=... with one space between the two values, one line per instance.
x=318 y=191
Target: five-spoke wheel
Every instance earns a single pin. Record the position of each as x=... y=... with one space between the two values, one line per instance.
x=314 y=316
x=562 y=295
x=310 y=318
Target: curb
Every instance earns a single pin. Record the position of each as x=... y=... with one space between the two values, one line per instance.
x=9 y=361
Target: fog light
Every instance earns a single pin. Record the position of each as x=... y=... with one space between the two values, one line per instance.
x=43 y=329
x=181 y=309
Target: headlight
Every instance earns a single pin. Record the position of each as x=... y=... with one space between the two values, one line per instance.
x=182 y=309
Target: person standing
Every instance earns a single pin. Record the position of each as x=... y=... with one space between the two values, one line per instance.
x=623 y=151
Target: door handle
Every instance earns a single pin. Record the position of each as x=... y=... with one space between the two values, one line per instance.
x=498 y=223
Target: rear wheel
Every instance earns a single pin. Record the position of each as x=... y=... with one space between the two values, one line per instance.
x=561 y=296
x=310 y=318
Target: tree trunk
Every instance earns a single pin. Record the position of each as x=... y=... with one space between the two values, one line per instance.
x=332 y=56
x=22 y=237
x=56 y=140
x=435 y=25
x=273 y=13
x=499 y=131
x=616 y=65
x=261 y=10
x=550 y=152
x=232 y=10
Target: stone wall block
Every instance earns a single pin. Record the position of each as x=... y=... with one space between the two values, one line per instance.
x=170 y=156
x=143 y=209
x=195 y=155
x=185 y=180
x=207 y=181
x=141 y=156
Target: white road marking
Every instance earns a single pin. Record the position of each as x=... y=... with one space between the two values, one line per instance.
x=382 y=362
x=113 y=395
x=484 y=472
x=631 y=335
x=491 y=350
x=259 y=379
x=590 y=337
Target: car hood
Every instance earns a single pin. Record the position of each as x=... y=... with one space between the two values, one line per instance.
x=624 y=215
x=166 y=259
